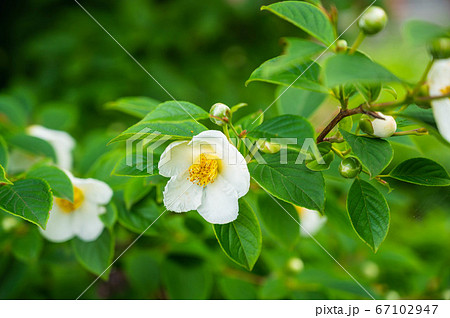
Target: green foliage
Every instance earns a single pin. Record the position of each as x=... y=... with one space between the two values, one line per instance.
x=30 y=199
x=3 y=179
x=343 y=69
x=304 y=75
x=280 y=219
x=33 y=145
x=179 y=120
x=241 y=239
x=135 y=106
x=95 y=256
x=368 y=212
x=423 y=32
x=28 y=246
x=290 y=182
x=305 y=16
x=58 y=181
x=421 y=171
x=286 y=126
x=375 y=154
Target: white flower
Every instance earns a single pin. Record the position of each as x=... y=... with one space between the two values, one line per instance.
x=311 y=221
x=80 y=218
x=61 y=141
x=439 y=83
x=207 y=174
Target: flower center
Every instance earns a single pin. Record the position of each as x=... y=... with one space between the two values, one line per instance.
x=205 y=172
x=445 y=90
x=67 y=206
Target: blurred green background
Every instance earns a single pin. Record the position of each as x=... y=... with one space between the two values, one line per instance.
x=58 y=63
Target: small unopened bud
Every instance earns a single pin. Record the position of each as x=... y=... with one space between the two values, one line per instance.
x=440 y=48
x=341 y=46
x=219 y=114
x=295 y=265
x=378 y=127
x=370 y=269
x=373 y=20
x=424 y=91
x=268 y=147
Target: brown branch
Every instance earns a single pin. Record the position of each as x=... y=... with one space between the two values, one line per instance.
x=341 y=115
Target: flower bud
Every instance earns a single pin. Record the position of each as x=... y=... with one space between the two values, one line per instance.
x=424 y=91
x=341 y=46
x=295 y=265
x=350 y=167
x=373 y=20
x=219 y=110
x=440 y=48
x=378 y=127
x=268 y=147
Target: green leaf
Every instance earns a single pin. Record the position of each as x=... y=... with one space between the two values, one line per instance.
x=11 y=112
x=109 y=218
x=370 y=92
x=3 y=179
x=297 y=51
x=307 y=17
x=282 y=226
x=343 y=69
x=421 y=171
x=236 y=289
x=33 y=145
x=58 y=116
x=291 y=182
x=135 y=106
x=57 y=179
x=305 y=75
x=368 y=212
x=248 y=122
x=97 y=255
x=175 y=119
x=297 y=101
x=374 y=153
x=142 y=271
x=423 y=32
x=187 y=278
x=27 y=246
x=140 y=216
x=285 y=126
x=319 y=165
x=241 y=239
x=137 y=165
x=135 y=190
x=3 y=153
x=30 y=199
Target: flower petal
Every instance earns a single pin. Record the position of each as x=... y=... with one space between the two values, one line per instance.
x=210 y=142
x=181 y=195
x=175 y=159
x=235 y=171
x=86 y=223
x=439 y=81
x=94 y=190
x=311 y=222
x=219 y=202
x=59 y=226
x=61 y=141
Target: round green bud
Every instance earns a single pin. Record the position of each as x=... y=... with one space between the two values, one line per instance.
x=341 y=46
x=350 y=167
x=219 y=114
x=378 y=127
x=373 y=21
x=424 y=91
x=267 y=147
x=440 y=48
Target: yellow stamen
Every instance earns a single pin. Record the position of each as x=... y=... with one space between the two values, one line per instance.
x=445 y=90
x=205 y=172
x=67 y=206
